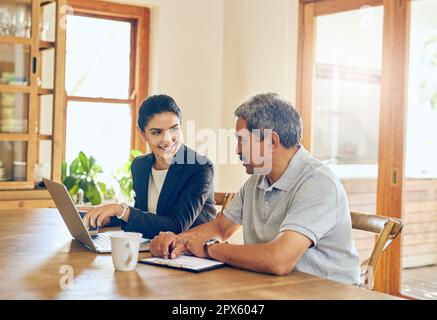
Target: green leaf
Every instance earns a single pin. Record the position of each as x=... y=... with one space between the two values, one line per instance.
x=102 y=187
x=84 y=162
x=74 y=167
x=123 y=175
x=69 y=182
x=63 y=170
x=434 y=101
x=136 y=153
x=98 y=169
x=73 y=191
x=93 y=194
x=430 y=41
x=110 y=193
x=83 y=184
x=92 y=161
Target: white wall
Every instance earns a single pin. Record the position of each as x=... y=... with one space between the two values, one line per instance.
x=260 y=52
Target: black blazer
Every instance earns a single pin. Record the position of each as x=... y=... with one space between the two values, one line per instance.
x=186 y=199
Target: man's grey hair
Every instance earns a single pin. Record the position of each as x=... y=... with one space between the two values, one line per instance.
x=270 y=111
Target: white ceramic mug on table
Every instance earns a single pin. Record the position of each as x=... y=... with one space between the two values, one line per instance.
x=125 y=247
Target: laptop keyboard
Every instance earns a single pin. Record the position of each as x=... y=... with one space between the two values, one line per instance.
x=102 y=241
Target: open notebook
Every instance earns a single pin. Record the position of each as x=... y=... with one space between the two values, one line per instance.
x=184 y=262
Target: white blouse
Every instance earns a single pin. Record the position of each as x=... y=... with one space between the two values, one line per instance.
x=156 y=180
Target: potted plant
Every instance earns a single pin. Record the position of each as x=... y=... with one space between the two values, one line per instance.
x=83 y=174
x=123 y=177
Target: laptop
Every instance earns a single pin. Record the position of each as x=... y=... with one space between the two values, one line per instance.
x=99 y=242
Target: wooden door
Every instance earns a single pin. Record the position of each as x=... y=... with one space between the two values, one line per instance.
x=380 y=71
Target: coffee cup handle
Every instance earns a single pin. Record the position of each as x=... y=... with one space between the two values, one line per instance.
x=130 y=257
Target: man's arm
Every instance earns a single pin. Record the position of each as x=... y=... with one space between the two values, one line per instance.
x=278 y=257
x=220 y=228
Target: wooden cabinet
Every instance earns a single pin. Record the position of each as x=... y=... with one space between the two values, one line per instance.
x=32 y=72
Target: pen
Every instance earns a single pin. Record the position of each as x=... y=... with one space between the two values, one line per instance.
x=170 y=249
x=167 y=254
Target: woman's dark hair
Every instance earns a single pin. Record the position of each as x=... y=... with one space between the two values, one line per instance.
x=154 y=105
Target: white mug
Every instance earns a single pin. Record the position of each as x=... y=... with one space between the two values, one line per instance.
x=125 y=247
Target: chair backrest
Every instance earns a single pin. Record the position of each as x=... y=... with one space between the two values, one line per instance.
x=386 y=229
x=223 y=199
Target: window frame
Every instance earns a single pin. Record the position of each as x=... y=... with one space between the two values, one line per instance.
x=139 y=18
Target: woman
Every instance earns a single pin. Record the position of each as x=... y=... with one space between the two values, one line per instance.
x=173 y=184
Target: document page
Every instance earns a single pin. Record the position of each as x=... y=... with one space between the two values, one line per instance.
x=185 y=262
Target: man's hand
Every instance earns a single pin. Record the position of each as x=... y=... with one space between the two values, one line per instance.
x=99 y=215
x=194 y=246
x=167 y=245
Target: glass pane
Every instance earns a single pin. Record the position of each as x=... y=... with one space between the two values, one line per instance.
x=347 y=88
x=43 y=167
x=98 y=57
x=47 y=80
x=419 y=251
x=48 y=22
x=14 y=64
x=46 y=114
x=13 y=156
x=346 y=105
x=13 y=112
x=100 y=130
x=15 y=18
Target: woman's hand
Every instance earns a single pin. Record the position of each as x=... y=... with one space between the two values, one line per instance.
x=99 y=215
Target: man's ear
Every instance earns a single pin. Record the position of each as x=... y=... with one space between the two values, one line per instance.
x=276 y=140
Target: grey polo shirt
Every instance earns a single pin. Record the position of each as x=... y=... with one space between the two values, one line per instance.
x=308 y=199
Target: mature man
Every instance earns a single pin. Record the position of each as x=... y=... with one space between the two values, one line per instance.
x=294 y=211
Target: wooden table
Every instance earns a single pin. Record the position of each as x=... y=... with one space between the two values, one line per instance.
x=35 y=245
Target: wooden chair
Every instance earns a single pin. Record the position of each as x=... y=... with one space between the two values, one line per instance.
x=387 y=230
x=223 y=199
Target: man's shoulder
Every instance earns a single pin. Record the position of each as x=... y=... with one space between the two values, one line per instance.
x=316 y=172
x=321 y=180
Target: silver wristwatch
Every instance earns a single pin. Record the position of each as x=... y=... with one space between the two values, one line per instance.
x=206 y=246
x=125 y=206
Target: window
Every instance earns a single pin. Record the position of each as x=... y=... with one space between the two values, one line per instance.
x=347 y=91
x=421 y=151
x=105 y=51
x=419 y=245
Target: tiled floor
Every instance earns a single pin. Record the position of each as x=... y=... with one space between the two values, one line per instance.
x=420 y=283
